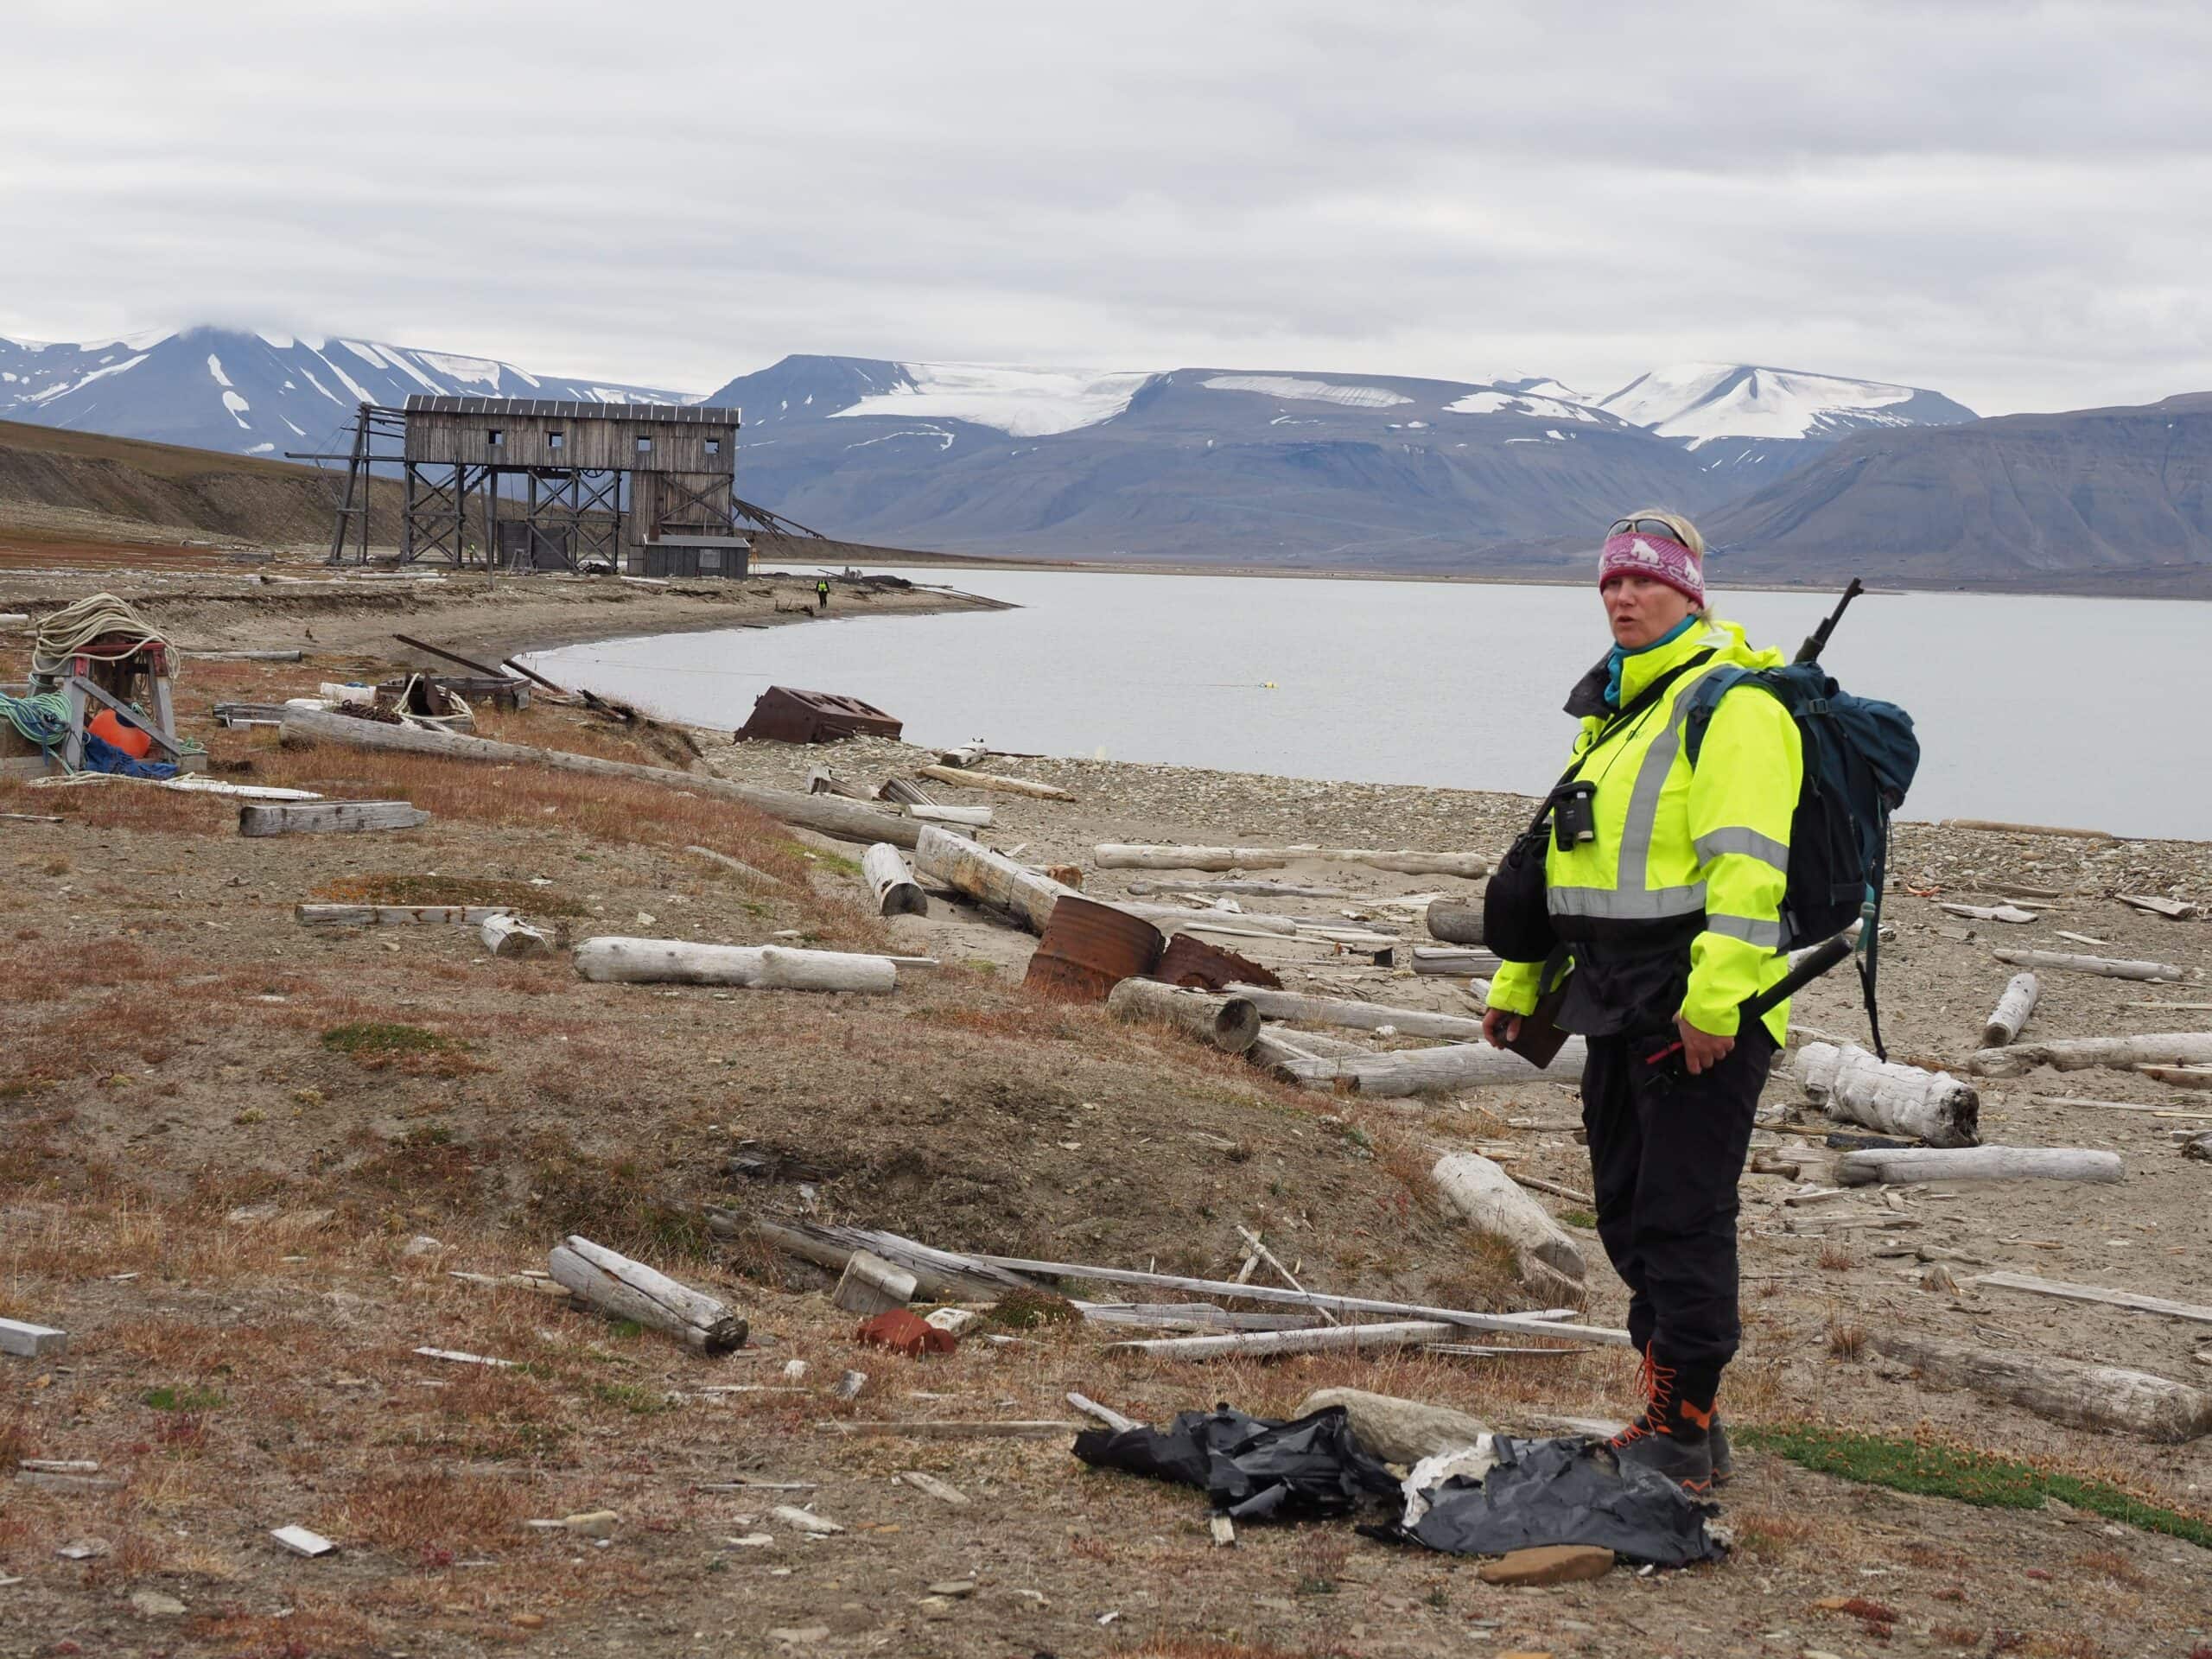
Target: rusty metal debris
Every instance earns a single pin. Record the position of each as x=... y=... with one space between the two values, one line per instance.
x=1089 y=948
x=786 y=715
x=1192 y=962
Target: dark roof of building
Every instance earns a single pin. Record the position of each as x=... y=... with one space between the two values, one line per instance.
x=524 y=408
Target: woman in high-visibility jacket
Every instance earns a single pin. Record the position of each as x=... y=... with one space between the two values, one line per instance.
x=1668 y=913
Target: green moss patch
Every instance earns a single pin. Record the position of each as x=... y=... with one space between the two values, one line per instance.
x=373 y=1037
x=1934 y=1469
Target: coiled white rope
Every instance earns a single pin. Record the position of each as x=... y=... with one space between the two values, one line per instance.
x=69 y=632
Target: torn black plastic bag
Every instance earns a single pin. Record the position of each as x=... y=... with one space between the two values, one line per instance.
x=1252 y=1469
x=1567 y=1491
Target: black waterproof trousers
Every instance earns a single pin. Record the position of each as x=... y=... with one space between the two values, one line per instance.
x=1665 y=1154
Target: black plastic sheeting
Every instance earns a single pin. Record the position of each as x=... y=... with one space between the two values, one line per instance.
x=1565 y=1491
x=1550 y=1491
x=1250 y=1469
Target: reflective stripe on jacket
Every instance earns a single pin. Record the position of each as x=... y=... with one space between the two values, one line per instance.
x=1695 y=855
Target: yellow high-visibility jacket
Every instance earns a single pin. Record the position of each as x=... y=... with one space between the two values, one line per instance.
x=1700 y=854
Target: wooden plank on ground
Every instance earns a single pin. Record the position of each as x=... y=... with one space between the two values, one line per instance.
x=397 y=915
x=328 y=818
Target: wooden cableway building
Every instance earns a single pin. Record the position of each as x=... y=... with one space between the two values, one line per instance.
x=536 y=484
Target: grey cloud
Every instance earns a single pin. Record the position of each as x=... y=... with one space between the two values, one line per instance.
x=2008 y=203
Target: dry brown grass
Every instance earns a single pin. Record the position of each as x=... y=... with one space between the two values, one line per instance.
x=1846 y=1341
x=1835 y=1256
x=408 y=1513
x=2111 y=1564
x=1956 y=1636
x=125 y=806
x=1775 y=1535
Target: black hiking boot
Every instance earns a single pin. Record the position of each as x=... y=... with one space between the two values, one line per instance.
x=1673 y=1436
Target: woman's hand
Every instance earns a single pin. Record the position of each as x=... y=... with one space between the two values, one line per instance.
x=1701 y=1050
x=1500 y=1027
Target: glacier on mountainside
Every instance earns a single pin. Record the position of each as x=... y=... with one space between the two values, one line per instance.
x=1019 y=402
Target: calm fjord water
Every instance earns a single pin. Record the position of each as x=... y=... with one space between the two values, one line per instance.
x=2068 y=711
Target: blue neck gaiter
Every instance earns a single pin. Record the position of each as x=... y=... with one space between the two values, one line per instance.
x=1620 y=654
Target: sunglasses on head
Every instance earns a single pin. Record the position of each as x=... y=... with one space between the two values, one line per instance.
x=1658 y=527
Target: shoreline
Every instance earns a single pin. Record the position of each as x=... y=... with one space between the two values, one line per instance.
x=2104 y=837
x=2186 y=583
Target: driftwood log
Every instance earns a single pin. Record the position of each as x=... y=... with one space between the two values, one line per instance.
x=1455 y=923
x=397 y=915
x=1262 y=889
x=949 y=1273
x=989 y=878
x=1493 y=1202
x=967 y=817
x=938 y=1273
x=2012 y=1012
x=756 y=967
x=505 y=935
x=1353 y=1015
x=1400 y=1333
x=329 y=817
x=842 y=819
x=1848 y=1082
x=2064 y=1390
x=630 y=1290
x=1433 y=1071
x=1229 y=1023
x=896 y=893
x=1164 y=917
x=1895 y=1165
x=1129 y=856
x=1272 y=1053
x=992 y=780
x=1530 y=1325
x=2107 y=966
x=2080 y=1053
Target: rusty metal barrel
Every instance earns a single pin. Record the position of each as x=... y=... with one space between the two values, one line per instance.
x=1089 y=948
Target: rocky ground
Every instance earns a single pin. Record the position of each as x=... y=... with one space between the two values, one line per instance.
x=223 y=1136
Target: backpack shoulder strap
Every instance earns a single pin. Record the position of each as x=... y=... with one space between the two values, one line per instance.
x=1706 y=697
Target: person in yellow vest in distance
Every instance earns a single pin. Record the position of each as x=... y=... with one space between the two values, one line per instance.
x=1666 y=898
x=822 y=594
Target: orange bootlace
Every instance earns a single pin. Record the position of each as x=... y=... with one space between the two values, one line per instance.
x=1659 y=1391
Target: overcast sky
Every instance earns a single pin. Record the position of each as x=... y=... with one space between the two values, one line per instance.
x=2012 y=204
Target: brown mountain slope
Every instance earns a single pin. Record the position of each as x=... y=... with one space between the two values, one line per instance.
x=56 y=484
x=2116 y=499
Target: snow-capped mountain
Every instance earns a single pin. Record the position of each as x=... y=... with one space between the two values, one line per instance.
x=251 y=393
x=1189 y=463
x=1236 y=465
x=1739 y=416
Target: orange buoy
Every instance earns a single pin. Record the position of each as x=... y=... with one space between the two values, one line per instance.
x=132 y=741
